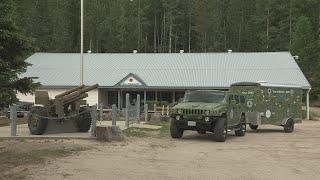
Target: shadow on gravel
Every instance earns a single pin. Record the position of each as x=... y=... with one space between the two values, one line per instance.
x=204 y=137
x=266 y=131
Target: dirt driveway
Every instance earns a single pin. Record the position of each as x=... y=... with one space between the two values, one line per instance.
x=266 y=154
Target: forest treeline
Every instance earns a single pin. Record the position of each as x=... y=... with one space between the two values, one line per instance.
x=171 y=25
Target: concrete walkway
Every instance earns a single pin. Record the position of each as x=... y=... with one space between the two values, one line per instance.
x=23 y=131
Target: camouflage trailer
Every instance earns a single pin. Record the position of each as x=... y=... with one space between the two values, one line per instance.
x=213 y=111
x=271 y=104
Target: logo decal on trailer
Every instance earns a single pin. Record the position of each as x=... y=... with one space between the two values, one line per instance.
x=268 y=113
x=231 y=113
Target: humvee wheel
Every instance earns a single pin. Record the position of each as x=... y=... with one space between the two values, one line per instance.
x=175 y=132
x=36 y=122
x=220 y=130
x=201 y=132
x=84 y=120
x=289 y=126
x=253 y=127
x=243 y=128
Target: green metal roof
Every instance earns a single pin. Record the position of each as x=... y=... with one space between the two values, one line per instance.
x=167 y=70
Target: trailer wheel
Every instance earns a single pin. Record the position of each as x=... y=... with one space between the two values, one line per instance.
x=37 y=121
x=253 y=127
x=84 y=120
x=243 y=128
x=289 y=126
x=175 y=132
x=221 y=130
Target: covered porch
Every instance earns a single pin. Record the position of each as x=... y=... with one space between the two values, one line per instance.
x=110 y=96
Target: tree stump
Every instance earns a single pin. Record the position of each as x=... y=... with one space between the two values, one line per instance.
x=109 y=133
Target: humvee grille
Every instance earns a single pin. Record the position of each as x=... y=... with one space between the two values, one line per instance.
x=192 y=111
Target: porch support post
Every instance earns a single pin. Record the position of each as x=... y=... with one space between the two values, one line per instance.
x=107 y=98
x=156 y=95
x=119 y=99
x=145 y=97
x=173 y=97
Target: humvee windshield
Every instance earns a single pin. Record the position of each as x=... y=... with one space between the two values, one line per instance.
x=204 y=96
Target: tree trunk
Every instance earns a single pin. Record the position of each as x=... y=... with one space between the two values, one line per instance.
x=189 y=32
x=268 y=14
x=290 y=24
x=155 y=34
x=170 y=38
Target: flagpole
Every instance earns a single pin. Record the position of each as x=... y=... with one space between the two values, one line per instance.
x=81 y=53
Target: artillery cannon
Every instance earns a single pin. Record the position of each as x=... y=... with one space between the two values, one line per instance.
x=66 y=113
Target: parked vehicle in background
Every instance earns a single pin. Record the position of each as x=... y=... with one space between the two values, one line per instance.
x=22 y=109
x=208 y=110
x=276 y=104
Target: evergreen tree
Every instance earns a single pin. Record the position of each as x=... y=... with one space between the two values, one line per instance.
x=305 y=46
x=14 y=48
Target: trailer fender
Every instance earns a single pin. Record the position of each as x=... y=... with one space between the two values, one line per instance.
x=284 y=121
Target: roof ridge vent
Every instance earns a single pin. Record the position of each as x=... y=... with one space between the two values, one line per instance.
x=135 y=51
x=181 y=51
x=229 y=50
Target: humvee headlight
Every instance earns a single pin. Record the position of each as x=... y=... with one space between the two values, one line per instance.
x=207 y=113
x=177 y=118
x=207 y=119
x=179 y=111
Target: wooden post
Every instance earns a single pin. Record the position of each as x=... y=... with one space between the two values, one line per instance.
x=168 y=108
x=154 y=108
x=93 y=121
x=162 y=111
x=138 y=107
x=114 y=115
x=146 y=112
x=101 y=112
x=13 y=119
x=127 y=110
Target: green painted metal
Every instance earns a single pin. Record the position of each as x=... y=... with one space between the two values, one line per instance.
x=271 y=103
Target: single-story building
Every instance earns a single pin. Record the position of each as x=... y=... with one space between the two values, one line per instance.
x=161 y=76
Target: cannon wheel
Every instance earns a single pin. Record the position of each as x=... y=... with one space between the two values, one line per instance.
x=37 y=124
x=84 y=120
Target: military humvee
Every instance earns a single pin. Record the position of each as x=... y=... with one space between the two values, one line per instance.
x=214 y=111
x=271 y=104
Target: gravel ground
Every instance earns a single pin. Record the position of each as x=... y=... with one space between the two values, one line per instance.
x=264 y=154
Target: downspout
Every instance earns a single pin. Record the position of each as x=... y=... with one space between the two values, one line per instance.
x=308 y=105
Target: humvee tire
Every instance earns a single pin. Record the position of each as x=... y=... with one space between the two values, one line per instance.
x=175 y=132
x=220 y=130
x=84 y=120
x=37 y=124
x=253 y=127
x=243 y=128
x=289 y=126
x=201 y=132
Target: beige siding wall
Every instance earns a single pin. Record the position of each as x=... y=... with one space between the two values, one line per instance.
x=91 y=99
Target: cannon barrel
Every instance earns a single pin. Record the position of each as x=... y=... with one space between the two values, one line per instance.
x=68 y=98
x=69 y=91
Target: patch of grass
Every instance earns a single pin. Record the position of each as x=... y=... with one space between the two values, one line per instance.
x=6 y=122
x=146 y=132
